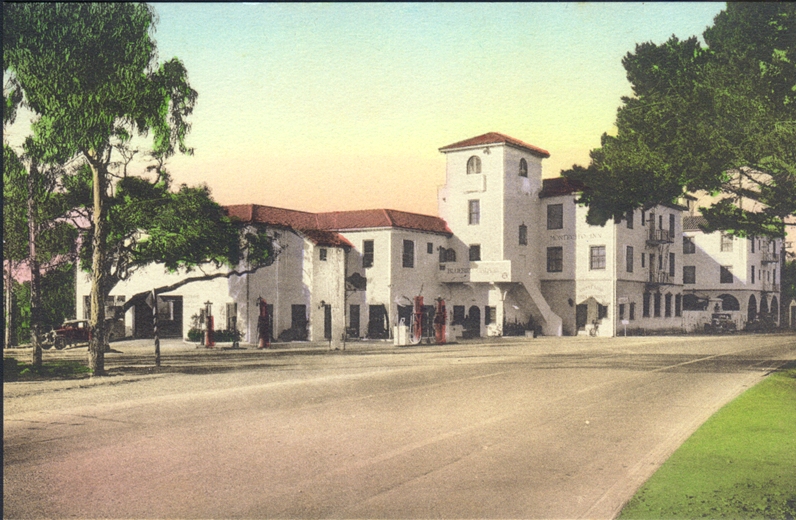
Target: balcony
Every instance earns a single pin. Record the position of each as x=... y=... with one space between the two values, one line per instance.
x=767 y=257
x=657 y=278
x=659 y=236
x=770 y=287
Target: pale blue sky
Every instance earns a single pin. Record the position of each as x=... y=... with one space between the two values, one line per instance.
x=344 y=106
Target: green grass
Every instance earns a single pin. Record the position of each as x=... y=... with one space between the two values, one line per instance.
x=13 y=370
x=740 y=464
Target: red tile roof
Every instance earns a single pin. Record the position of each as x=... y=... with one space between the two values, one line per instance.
x=560 y=186
x=338 y=220
x=326 y=238
x=496 y=138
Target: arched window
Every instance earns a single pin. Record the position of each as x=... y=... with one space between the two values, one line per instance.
x=751 y=314
x=523 y=168
x=473 y=165
x=729 y=303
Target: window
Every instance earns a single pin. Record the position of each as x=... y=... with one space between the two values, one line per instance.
x=725 y=276
x=689 y=248
x=597 y=257
x=523 y=235
x=475 y=252
x=602 y=311
x=555 y=259
x=555 y=216
x=629 y=259
x=645 y=307
x=523 y=168
x=409 y=253
x=726 y=243
x=643 y=218
x=629 y=218
x=678 y=305
x=656 y=305
x=322 y=253
x=430 y=248
x=473 y=165
x=621 y=311
x=667 y=307
x=473 y=212
x=671 y=225
x=458 y=315
x=367 y=253
x=447 y=255
x=660 y=262
x=632 y=315
x=643 y=260
x=753 y=272
x=752 y=239
x=490 y=315
x=689 y=274
x=671 y=265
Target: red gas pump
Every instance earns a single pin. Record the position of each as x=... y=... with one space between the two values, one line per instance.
x=417 y=324
x=263 y=335
x=439 y=322
x=209 y=324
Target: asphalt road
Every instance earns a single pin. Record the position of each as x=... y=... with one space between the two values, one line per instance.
x=545 y=428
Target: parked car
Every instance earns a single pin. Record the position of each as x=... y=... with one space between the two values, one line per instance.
x=720 y=323
x=72 y=332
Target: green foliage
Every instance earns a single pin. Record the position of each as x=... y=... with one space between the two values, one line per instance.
x=15 y=371
x=58 y=301
x=788 y=283
x=739 y=464
x=720 y=119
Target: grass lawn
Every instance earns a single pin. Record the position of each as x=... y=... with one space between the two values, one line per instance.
x=740 y=464
x=13 y=370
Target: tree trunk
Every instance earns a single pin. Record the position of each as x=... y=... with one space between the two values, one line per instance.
x=35 y=274
x=96 y=345
x=9 y=334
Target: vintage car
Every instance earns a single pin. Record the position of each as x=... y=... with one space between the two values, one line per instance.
x=720 y=323
x=71 y=332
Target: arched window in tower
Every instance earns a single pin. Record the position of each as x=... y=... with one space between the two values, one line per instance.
x=523 y=168
x=473 y=165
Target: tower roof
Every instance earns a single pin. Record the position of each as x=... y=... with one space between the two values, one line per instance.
x=495 y=138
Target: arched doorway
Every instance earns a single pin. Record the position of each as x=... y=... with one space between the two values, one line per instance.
x=763 y=305
x=775 y=309
x=752 y=309
x=472 y=323
x=729 y=302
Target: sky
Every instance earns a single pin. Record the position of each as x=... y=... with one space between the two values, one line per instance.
x=342 y=106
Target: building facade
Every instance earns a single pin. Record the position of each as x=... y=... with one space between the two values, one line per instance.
x=510 y=253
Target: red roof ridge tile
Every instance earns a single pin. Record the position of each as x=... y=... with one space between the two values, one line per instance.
x=496 y=138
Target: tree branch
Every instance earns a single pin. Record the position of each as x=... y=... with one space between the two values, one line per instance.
x=142 y=296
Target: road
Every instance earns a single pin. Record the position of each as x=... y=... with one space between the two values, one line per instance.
x=544 y=428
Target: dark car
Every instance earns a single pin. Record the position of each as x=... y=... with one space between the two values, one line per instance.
x=72 y=332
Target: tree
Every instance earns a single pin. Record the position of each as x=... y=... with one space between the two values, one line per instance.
x=34 y=233
x=719 y=119
x=89 y=73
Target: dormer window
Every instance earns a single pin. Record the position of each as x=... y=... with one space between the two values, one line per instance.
x=523 y=168
x=473 y=165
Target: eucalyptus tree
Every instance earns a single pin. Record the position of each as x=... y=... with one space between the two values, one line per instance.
x=90 y=74
x=718 y=118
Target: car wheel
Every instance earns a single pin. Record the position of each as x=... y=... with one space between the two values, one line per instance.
x=60 y=343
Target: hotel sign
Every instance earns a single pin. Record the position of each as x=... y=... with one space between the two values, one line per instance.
x=477 y=272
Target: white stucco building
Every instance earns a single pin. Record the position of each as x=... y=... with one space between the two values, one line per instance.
x=509 y=253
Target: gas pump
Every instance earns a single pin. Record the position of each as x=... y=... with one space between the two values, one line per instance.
x=263 y=335
x=209 y=324
x=439 y=322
